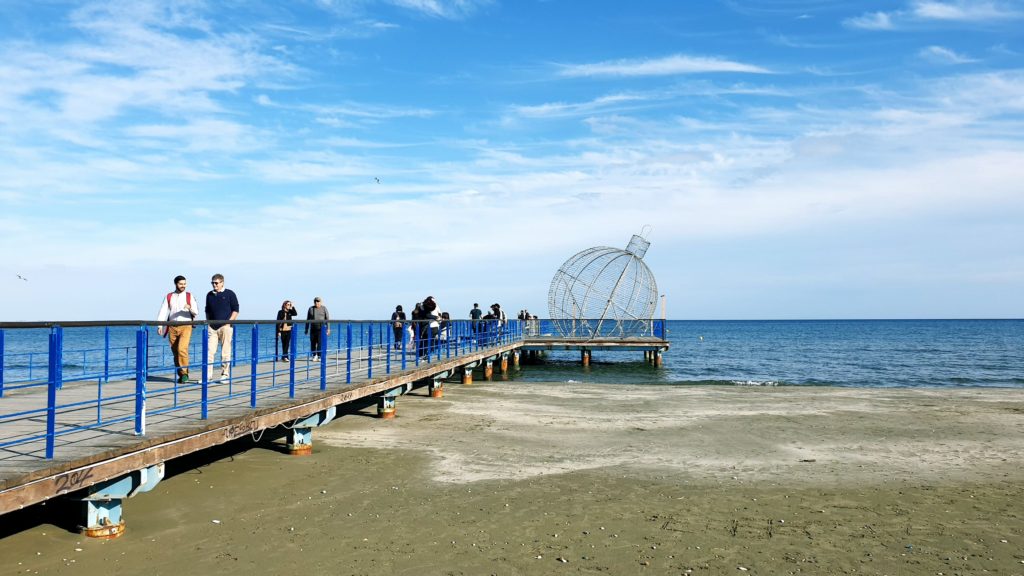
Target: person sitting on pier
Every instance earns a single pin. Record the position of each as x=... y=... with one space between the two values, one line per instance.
x=178 y=306
x=501 y=318
x=444 y=327
x=284 y=327
x=486 y=330
x=221 y=304
x=317 y=315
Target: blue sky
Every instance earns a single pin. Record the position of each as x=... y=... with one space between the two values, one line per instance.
x=793 y=159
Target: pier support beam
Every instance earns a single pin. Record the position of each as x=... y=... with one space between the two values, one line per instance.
x=504 y=363
x=488 y=368
x=467 y=372
x=300 y=434
x=386 y=407
x=436 y=387
x=101 y=503
x=386 y=402
x=657 y=358
x=515 y=359
x=585 y=357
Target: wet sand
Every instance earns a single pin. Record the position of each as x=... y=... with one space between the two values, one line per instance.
x=516 y=478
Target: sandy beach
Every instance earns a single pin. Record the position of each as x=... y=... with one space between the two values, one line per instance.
x=517 y=478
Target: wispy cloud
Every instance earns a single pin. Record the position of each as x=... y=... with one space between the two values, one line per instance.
x=563 y=109
x=450 y=9
x=966 y=11
x=668 y=66
x=922 y=11
x=941 y=55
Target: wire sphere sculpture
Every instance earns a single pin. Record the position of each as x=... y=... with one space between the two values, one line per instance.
x=604 y=291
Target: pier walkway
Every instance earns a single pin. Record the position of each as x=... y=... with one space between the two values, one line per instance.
x=93 y=411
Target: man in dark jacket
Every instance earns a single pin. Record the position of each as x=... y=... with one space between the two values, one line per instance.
x=221 y=304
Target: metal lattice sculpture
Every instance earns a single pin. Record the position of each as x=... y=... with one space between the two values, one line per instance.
x=604 y=291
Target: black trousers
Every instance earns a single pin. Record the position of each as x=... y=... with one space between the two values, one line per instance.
x=286 y=340
x=314 y=339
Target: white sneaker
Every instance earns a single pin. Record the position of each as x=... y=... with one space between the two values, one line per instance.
x=223 y=377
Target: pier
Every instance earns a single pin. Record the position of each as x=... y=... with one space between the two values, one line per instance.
x=97 y=423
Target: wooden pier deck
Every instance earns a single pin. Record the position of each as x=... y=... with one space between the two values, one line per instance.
x=86 y=456
x=629 y=344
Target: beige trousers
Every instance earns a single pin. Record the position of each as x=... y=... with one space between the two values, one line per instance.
x=222 y=336
x=179 y=338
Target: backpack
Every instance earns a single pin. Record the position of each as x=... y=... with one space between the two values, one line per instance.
x=188 y=299
x=188 y=302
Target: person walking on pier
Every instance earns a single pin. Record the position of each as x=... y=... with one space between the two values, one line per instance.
x=432 y=314
x=178 y=306
x=284 y=327
x=221 y=305
x=419 y=327
x=475 y=315
x=397 y=325
x=317 y=315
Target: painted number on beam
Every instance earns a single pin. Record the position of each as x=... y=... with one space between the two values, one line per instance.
x=72 y=480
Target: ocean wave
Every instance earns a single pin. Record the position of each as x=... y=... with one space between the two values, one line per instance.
x=755 y=383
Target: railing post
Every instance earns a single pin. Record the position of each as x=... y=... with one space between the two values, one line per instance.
x=323 y=355
x=255 y=363
x=403 y=345
x=390 y=349
x=205 y=386
x=348 y=353
x=292 y=349
x=106 y=353
x=1 y=363
x=234 y=354
x=369 y=353
x=141 y=357
x=54 y=364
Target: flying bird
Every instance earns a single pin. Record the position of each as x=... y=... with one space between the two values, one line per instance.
x=377 y=180
x=20 y=277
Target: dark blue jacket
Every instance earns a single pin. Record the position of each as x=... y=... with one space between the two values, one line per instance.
x=219 y=306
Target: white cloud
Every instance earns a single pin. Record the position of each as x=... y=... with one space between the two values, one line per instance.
x=872 y=21
x=941 y=55
x=966 y=11
x=963 y=11
x=451 y=9
x=562 y=109
x=667 y=66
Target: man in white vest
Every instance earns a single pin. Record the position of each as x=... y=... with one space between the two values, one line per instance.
x=178 y=306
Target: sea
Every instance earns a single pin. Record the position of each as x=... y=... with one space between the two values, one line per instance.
x=851 y=353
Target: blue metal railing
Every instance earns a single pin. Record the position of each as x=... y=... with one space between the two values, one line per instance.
x=100 y=375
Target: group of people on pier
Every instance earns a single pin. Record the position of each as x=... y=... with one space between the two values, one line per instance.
x=429 y=326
